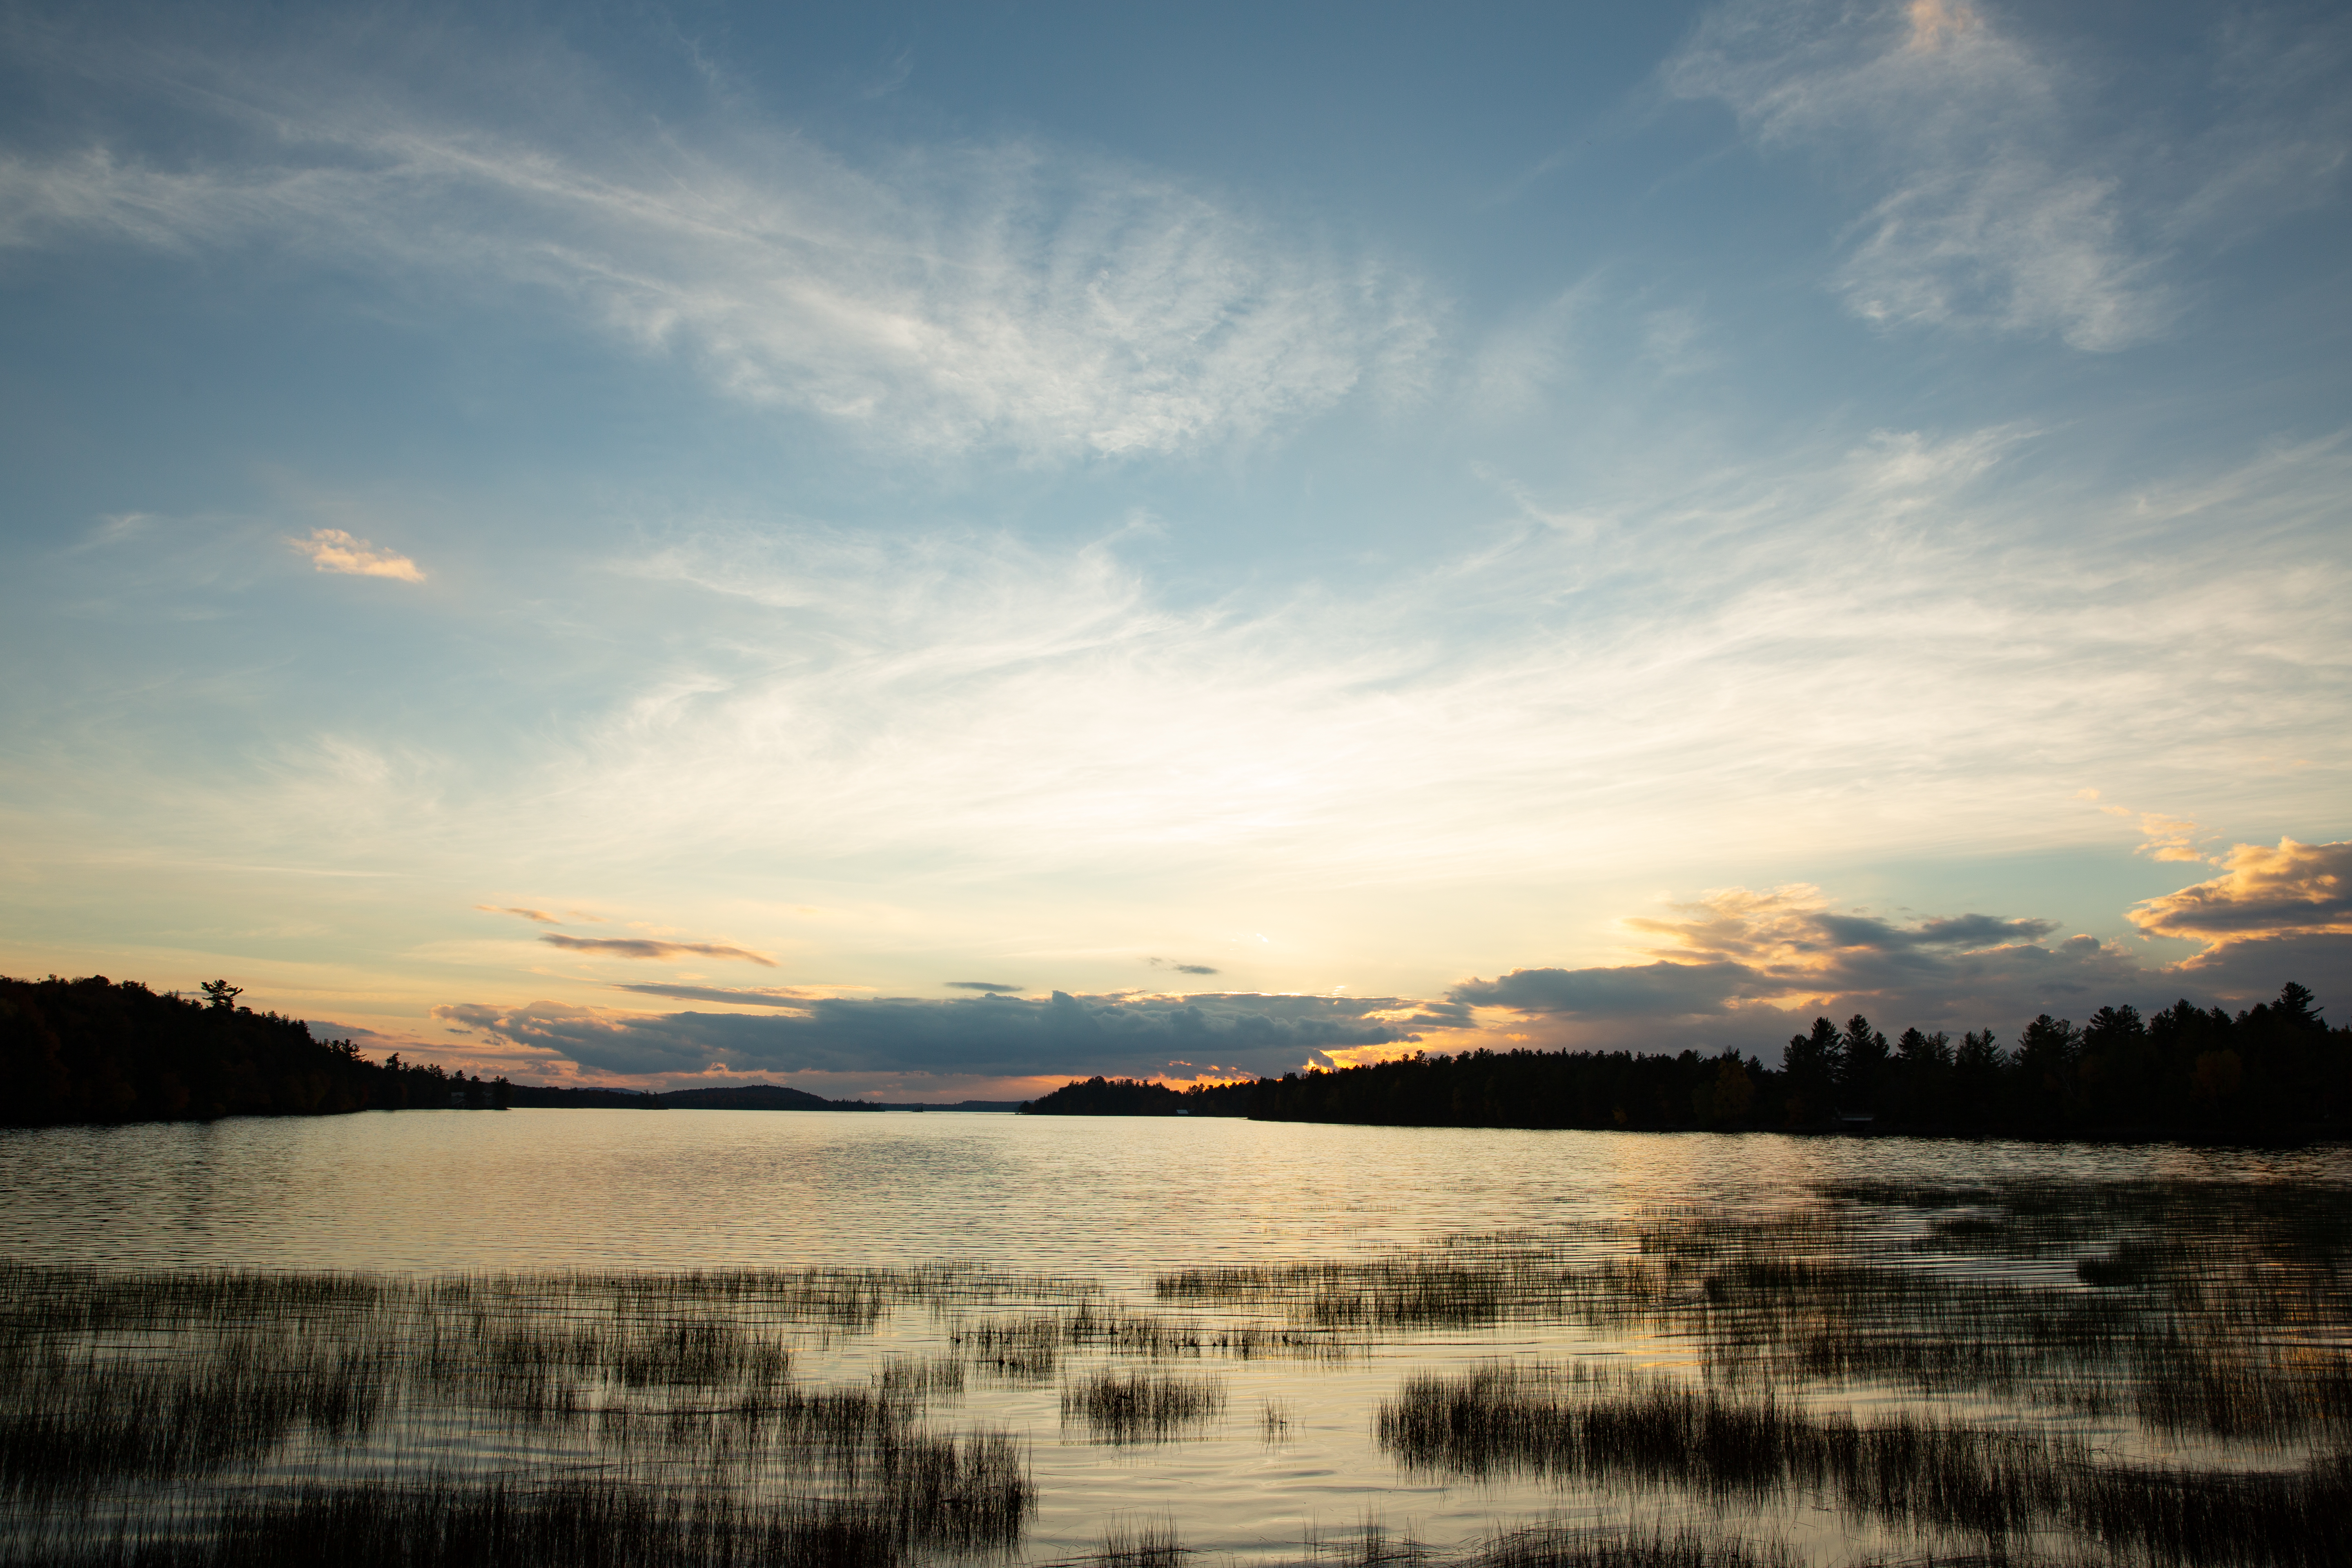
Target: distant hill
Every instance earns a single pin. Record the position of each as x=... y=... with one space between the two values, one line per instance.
x=552 y=1097
x=755 y=1097
x=1111 y=1096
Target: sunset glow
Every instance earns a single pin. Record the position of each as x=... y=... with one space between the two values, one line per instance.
x=920 y=559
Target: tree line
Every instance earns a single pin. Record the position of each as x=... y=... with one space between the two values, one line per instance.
x=100 y=1050
x=2274 y=1069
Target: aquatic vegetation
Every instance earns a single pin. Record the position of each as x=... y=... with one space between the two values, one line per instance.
x=1130 y=1544
x=2001 y=1372
x=188 y=1418
x=1141 y=1407
x=1914 y=1472
x=444 y=1524
x=1553 y=1546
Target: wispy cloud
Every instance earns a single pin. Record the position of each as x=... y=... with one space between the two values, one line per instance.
x=540 y=916
x=1003 y=296
x=1528 y=700
x=334 y=549
x=994 y=988
x=648 y=947
x=1990 y=204
x=2163 y=837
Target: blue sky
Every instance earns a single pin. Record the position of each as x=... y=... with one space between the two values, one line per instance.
x=931 y=550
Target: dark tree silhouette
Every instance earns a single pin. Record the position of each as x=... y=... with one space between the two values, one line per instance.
x=1862 y=1063
x=2276 y=1070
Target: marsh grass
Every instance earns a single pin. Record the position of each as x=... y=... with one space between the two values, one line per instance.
x=2205 y=1331
x=1143 y=1406
x=1914 y=1472
x=164 y=1417
x=1026 y=1350
x=2194 y=1311
x=454 y=1525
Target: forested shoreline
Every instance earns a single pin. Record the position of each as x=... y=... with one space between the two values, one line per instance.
x=98 y=1051
x=2276 y=1070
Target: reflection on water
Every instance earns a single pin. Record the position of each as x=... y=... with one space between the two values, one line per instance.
x=885 y=1339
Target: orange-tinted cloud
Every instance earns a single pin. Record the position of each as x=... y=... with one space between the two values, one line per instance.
x=333 y=549
x=542 y=916
x=2168 y=837
x=1742 y=967
x=2294 y=890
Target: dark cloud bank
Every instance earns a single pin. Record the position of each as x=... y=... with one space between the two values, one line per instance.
x=989 y=1035
x=1740 y=969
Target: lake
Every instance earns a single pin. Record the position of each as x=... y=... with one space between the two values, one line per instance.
x=1139 y=1341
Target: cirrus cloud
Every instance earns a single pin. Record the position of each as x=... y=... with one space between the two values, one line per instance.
x=1009 y=296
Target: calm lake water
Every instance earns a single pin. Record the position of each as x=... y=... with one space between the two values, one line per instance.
x=1363 y=1260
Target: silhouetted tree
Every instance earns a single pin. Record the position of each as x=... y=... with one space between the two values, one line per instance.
x=2044 y=1068
x=1862 y=1063
x=1811 y=1066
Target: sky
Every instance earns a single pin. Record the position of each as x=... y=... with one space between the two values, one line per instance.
x=919 y=551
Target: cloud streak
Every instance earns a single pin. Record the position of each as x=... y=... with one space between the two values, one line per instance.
x=648 y=947
x=739 y=995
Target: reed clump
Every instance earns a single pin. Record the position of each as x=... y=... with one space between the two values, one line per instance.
x=1556 y=1547
x=1141 y=1407
x=1128 y=1543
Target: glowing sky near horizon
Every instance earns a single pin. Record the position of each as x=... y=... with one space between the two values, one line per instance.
x=919 y=551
